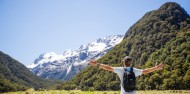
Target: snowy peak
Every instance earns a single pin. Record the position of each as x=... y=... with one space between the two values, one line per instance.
x=65 y=66
x=110 y=40
x=68 y=53
x=45 y=58
x=101 y=43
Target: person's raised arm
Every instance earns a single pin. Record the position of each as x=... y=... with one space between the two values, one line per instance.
x=103 y=66
x=149 y=70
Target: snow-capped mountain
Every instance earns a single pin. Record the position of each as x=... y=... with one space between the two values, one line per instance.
x=65 y=66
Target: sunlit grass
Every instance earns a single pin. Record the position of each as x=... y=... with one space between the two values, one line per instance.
x=31 y=91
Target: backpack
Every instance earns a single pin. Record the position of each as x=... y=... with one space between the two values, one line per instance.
x=129 y=80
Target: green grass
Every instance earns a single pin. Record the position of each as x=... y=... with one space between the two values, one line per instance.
x=31 y=91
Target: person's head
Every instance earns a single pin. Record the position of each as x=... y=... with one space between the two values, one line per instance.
x=126 y=61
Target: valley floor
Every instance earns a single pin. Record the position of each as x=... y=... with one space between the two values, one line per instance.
x=98 y=92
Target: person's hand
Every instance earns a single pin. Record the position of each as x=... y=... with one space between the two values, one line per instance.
x=93 y=62
x=160 y=66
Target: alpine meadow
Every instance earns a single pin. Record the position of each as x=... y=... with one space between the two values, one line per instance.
x=160 y=36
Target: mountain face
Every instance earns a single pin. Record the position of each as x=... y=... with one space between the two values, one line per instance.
x=66 y=65
x=14 y=76
x=162 y=36
x=169 y=17
x=154 y=30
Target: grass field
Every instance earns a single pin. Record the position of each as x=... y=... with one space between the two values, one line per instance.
x=31 y=91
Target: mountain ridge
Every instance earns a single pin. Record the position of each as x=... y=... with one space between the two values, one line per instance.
x=65 y=66
x=165 y=11
x=157 y=24
x=14 y=76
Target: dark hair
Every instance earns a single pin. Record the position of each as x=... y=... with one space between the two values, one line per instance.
x=127 y=58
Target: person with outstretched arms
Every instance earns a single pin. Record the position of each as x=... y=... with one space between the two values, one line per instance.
x=127 y=74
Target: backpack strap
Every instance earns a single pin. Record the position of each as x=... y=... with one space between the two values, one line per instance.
x=131 y=69
x=125 y=69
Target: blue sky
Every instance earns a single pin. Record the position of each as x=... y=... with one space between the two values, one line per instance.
x=29 y=28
